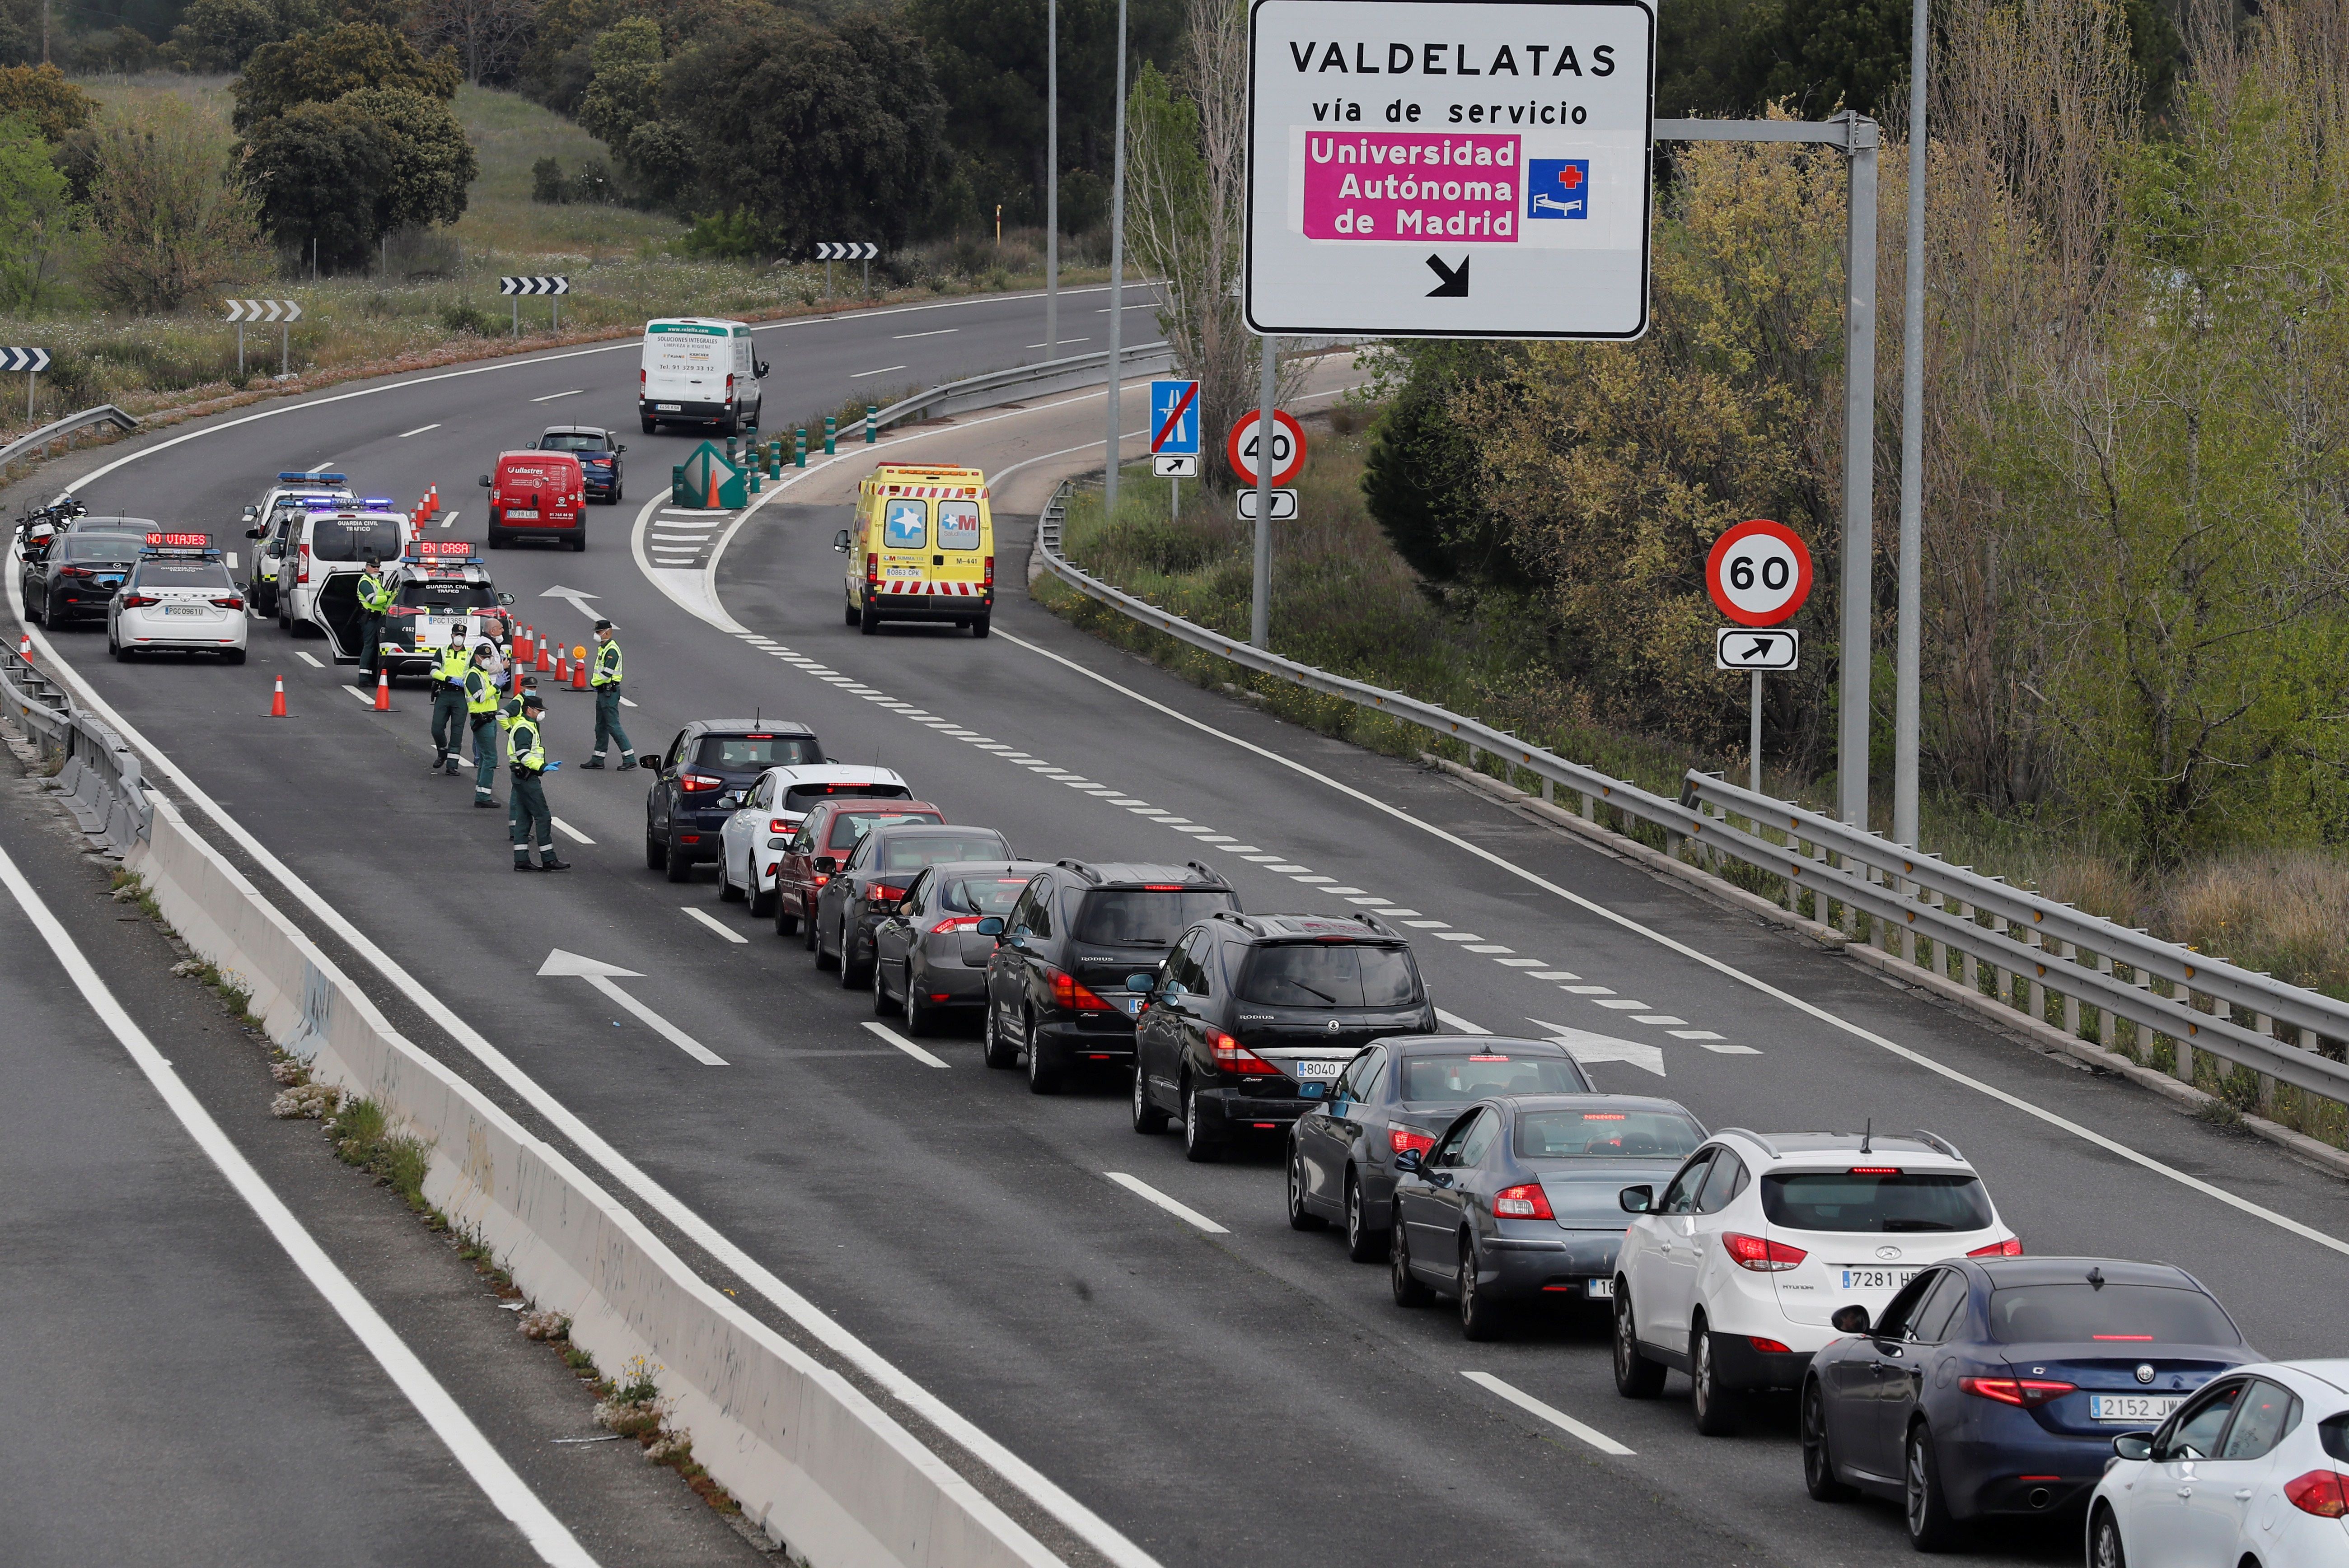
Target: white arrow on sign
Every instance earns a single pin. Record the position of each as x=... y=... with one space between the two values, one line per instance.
x=603 y=976
x=1284 y=505
x=1737 y=648
x=578 y=597
x=1175 y=466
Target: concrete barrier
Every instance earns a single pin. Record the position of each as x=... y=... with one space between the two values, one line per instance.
x=812 y=1459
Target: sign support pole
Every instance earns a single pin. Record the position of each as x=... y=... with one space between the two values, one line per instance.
x=1116 y=273
x=30 y=376
x=1856 y=586
x=1907 y=654
x=1051 y=179
x=285 y=348
x=1260 y=602
x=240 y=347
x=1174 y=496
x=1753 y=739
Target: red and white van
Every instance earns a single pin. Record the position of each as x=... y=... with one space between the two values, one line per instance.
x=537 y=495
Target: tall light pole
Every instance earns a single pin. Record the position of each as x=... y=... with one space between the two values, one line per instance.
x=1116 y=268
x=1907 y=655
x=1051 y=179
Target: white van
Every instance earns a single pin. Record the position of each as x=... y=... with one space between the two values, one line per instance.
x=698 y=370
x=328 y=547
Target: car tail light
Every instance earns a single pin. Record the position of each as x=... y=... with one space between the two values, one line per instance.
x=820 y=879
x=229 y=604
x=872 y=568
x=302 y=568
x=1760 y=1255
x=700 y=783
x=883 y=893
x=1405 y=1140
x=2319 y=1492
x=1072 y=995
x=954 y=923
x=2027 y=1393
x=1235 y=1057
x=1525 y=1203
x=640 y=383
x=989 y=581
x=74 y=572
x=2009 y=1248
x=1876 y=1170
x=1766 y=1346
x=139 y=600
x=780 y=827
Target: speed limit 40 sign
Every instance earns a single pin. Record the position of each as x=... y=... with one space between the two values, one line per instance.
x=1287 y=448
x=1759 y=573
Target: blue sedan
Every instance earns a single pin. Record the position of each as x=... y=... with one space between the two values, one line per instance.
x=1995 y=1386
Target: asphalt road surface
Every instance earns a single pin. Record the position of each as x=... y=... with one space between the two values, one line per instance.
x=1239 y=1396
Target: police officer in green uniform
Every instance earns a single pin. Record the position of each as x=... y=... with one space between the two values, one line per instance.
x=528 y=816
x=481 y=717
x=606 y=681
x=375 y=607
x=449 y=705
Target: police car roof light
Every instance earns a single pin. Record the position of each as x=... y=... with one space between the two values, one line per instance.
x=382 y=501
x=317 y=479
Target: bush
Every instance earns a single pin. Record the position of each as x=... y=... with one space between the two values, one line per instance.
x=170 y=224
x=467 y=318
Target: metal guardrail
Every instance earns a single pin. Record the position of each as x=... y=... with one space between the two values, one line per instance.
x=1915 y=905
x=1045 y=377
x=104 y=414
x=100 y=779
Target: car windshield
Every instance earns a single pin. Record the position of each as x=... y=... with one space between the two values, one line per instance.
x=354 y=537
x=849 y=828
x=574 y=443
x=2120 y=1314
x=1855 y=1201
x=798 y=798
x=444 y=595
x=753 y=753
x=1333 y=974
x=1627 y=1134
x=181 y=574
x=1142 y=916
x=1457 y=1079
x=983 y=895
x=913 y=851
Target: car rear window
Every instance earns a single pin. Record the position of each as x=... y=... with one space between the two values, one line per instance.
x=2334 y=1433
x=549 y=473
x=850 y=827
x=2120 y=1315
x=756 y=753
x=916 y=850
x=574 y=444
x=354 y=537
x=1142 y=916
x=1838 y=1200
x=1332 y=974
x=958 y=525
x=1457 y=1079
x=101 y=546
x=983 y=895
x=181 y=574
x=798 y=798
x=1605 y=1135
x=447 y=595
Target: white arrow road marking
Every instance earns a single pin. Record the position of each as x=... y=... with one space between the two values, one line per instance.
x=712 y=922
x=1149 y=1194
x=603 y=976
x=1586 y=1048
x=906 y=1046
x=578 y=597
x=1555 y=1417
x=1454 y=1020
x=417 y=431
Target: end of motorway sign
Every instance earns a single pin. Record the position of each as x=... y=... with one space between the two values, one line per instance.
x=1393 y=142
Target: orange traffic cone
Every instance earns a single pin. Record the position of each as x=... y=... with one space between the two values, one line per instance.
x=24 y=646
x=546 y=660
x=383 y=691
x=579 y=669
x=562 y=668
x=525 y=644
x=277 y=700
x=432 y=501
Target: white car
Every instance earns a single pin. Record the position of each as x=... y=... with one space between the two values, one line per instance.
x=2246 y=1474
x=754 y=836
x=177 y=595
x=1734 y=1272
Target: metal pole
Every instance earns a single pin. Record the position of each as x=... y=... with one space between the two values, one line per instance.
x=240 y=348
x=1260 y=605
x=1907 y=652
x=517 y=304
x=827 y=281
x=1051 y=179
x=284 y=349
x=1174 y=496
x=30 y=376
x=1753 y=741
x=1117 y=270
x=1858 y=472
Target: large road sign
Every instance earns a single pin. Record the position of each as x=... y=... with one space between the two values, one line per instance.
x=33 y=359
x=1287 y=448
x=1736 y=648
x=1759 y=573
x=1174 y=419
x=1450 y=168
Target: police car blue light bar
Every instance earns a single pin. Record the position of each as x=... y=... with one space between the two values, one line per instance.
x=315 y=478
x=381 y=500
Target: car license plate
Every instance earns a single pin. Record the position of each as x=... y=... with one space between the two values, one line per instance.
x=666 y=407
x=183 y=610
x=1601 y=1289
x=1877 y=1279
x=2151 y=1409
x=1325 y=1068
x=906 y=570
x=514 y=512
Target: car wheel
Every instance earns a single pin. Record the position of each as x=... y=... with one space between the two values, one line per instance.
x=727 y=892
x=1197 y=1147
x=655 y=853
x=1409 y=1289
x=807 y=928
x=852 y=974
x=1636 y=1376
x=1363 y=1244
x=917 y=1017
x=617 y=491
x=1818 y=1464
x=680 y=864
x=1715 y=1407
x=979 y=625
x=1147 y=1117
x=579 y=545
x=852 y=614
x=882 y=1006
x=1927 y=1509
x=815 y=944
x=651 y=425
x=1300 y=1218
x=232 y=656
x=2105 y=1542
x=1043 y=1072
x=993 y=1048
x=868 y=621
x=763 y=904
x=1480 y=1314
x=787 y=920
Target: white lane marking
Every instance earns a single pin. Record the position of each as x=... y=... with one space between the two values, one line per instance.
x=1621 y=1004
x=1555 y=975
x=1587 y=990
x=1692 y=1035
x=906 y=1046
x=627 y=702
x=303 y=656
x=1555 y=1417
x=1149 y=1194
x=449 y=521
x=1658 y=1018
x=861 y=374
x=417 y=431
x=1064 y=341
x=550 y=397
x=1587 y=1048
x=507 y=1491
x=710 y=921
x=934 y=332
x=606 y=978
x=1455 y=1021
x=1522 y=963
x=574 y=834
x=366 y=697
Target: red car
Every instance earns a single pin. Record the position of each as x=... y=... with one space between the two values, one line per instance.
x=826 y=835
x=537 y=495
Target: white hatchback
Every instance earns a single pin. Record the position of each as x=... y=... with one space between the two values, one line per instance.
x=178 y=596
x=1734 y=1273
x=2248 y=1471
x=753 y=841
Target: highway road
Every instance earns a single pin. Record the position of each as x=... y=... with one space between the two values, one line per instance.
x=1214 y=1397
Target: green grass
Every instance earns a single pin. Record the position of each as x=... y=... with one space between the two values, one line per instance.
x=509 y=134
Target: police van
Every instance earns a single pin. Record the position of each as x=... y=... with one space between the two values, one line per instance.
x=440 y=592
x=923 y=548
x=698 y=370
x=328 y=545
x=271 y=520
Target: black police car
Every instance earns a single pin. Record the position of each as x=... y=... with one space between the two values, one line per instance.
x=1058 y=983
x=598 y=455
x=701 y=780
x=1254 y=1016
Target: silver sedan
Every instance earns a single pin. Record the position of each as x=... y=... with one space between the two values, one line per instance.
x=929 y=954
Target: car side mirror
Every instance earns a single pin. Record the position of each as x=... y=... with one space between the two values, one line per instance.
x=2134 y=1445
x=252 y=512
x=1142 y=980
x=1409 y=1160
x=759 y=368
x=253 y=534
x=1636 y=1199
x=505 y=598
x=826 y=864
x=485 y=481
x=990 y=926
x=1849 y=1320
x=840 y=542
x=622 y=447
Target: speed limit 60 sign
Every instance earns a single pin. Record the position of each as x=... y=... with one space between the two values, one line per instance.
x=1758 y=573
x=1287 y=448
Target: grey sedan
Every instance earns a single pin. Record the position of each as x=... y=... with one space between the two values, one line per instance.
x=930 y=953
x=1520 y=1201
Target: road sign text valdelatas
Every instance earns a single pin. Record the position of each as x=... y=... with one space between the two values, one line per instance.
x=1393 y=143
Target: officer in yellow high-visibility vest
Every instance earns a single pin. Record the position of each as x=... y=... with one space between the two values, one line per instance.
x=449 y=704
x=606 y=681
x=375 y=607
x=482 y=718
x=528 y=816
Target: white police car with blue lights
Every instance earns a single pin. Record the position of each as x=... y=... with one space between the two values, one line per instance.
x=177 y=596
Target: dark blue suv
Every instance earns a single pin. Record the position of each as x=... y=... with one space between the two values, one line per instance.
x=701 y=780
x=598 y=455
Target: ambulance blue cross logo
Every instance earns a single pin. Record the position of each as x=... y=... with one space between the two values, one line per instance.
x=1558 y=187
x=1174 y=419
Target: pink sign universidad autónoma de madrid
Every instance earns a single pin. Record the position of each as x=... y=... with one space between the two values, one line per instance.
x=1411 y=185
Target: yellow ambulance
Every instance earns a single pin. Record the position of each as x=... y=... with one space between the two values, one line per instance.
x=923 y=548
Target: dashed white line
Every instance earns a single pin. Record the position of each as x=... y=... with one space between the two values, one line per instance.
x=861 y=374
x=1461 y=1024
x=550 y=397
x=1149 y=1194
x=1555 y=1417
x=940 y=332
x=568 y=831
x=720 y=928
x=417 y=431
x=303 y=656
x=906 y=1046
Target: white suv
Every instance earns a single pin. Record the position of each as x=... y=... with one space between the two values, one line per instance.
x=1735 y=1274
x=754 y=837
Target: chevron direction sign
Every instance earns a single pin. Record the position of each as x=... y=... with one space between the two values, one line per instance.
x=32 y=359
x=846 y=251
x=264 y=310
x=535 y=285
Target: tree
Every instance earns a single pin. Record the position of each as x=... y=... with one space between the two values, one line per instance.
x=221 y=34
x=42 y=97
x=487 y=37
x=319 y=170
x=432 y=163
x=38 y=217
x=171 y=222
x=323 y=66
x=624 y=89
x=1424 y=480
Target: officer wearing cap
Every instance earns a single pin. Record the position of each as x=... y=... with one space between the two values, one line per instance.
x=449 y=705
x=481 y=717
x=606 y=682
x=528 y=816
x=375 y=608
